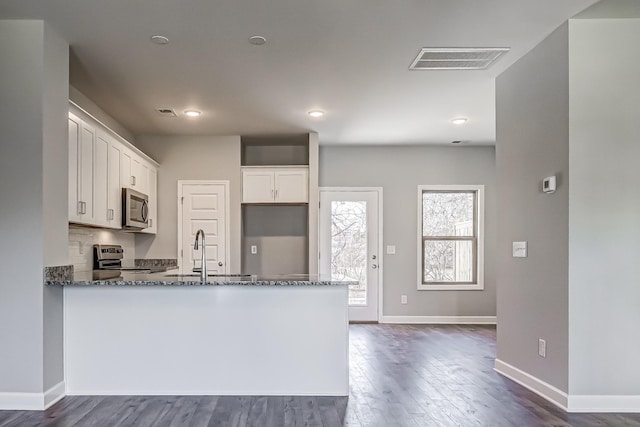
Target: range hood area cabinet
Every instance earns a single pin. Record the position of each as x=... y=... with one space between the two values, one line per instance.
x=101 y=163
x=275 y=185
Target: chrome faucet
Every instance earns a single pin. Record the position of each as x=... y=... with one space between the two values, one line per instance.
x=203 y=268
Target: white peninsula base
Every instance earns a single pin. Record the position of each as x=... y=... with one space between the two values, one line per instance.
x=206 y=340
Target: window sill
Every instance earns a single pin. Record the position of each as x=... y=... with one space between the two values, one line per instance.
x=474 y=287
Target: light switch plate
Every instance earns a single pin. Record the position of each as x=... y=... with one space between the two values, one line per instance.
x=519 y=249
x=254 y=249
x=391 y=249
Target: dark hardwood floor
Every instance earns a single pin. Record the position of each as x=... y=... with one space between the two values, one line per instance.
x=401 y=375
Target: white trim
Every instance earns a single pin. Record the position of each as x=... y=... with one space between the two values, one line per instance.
x=227 y=225
x=379 y=190
x=32 y=401
x=536 y=385
x=440 y=320
x=480 y=239
x=606 y=403
x=54 y=394
x=203 y=393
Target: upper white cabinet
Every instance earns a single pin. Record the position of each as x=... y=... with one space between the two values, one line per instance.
x=82 y=145
x=152 y=183
x=275 y=185
x=100 y=165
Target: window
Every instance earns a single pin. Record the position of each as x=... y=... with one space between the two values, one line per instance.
x=450 y=237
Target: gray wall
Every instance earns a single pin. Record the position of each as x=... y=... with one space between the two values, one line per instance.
x=604 y=310
x=190 y=158
x=92 y=108
x=532 y=143
x=399 y=170
x=33 y=194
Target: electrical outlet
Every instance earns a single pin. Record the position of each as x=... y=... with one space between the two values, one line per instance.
x=542 y=348
x=403 y=299
x=254 y=249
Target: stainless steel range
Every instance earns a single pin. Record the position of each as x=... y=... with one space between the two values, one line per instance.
x=107 y=263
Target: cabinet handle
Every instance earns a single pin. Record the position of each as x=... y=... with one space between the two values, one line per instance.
x=276 y=194
x=133 y=180
x=150 y=222
x=272 y=196
x=110 y=214
x=82 y=208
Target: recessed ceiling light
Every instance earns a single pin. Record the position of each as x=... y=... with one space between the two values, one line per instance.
x=316 y=113
x=192 y=113
x=459 y=120
x=159 y=39
x=257 y=40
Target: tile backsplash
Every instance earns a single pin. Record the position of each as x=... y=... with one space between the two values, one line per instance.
x=81 y=241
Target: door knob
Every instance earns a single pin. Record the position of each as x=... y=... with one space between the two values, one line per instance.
x=374 y=266
x=373 y=257
x=220 y=264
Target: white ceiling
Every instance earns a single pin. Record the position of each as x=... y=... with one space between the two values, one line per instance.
x=346 y=57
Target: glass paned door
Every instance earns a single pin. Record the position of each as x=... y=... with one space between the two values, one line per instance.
x=349 y=246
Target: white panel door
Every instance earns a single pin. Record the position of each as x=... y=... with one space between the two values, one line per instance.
x=349 y=246
x=292 y=186
x=203 y=206
x=257 y=186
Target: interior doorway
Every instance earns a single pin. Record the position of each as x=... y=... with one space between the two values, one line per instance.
x=203 y=205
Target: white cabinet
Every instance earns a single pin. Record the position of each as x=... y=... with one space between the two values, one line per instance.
x=153 y=200
x=275 y=185
x=82 y=143
x=100 y=165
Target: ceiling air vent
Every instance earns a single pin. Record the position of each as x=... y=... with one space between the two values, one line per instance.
x=475 y=58
x=167 y=112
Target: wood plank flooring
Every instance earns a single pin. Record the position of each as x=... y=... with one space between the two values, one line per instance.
x=400 y=375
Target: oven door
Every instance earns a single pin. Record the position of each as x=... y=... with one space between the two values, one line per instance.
x=135 y=209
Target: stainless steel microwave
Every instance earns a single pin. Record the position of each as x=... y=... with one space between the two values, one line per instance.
x=135 y=210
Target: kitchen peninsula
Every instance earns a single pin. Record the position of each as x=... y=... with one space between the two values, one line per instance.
x=156 y=334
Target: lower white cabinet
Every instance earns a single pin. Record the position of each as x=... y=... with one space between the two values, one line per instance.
x=275 y=185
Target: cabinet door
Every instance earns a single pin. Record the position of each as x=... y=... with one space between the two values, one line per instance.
x=101 y=180
x=153 y=200
x=292 y=186
x=86 y=146
x=74 y=145
x=126 y=173
x=114 y=197
x=257 y=186
x=140 y=173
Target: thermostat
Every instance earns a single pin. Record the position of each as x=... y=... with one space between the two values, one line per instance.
x=549 y=184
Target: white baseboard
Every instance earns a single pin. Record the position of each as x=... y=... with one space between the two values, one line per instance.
x=606 y=403
x=54 y=394
x=536 y=385
x=32 y=401
x=440 y=320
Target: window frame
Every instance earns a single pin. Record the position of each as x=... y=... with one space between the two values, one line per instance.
x=478 y=283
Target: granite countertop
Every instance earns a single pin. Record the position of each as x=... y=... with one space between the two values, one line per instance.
x=173 y=279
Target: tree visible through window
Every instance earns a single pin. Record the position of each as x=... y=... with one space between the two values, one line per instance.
x=450 y=237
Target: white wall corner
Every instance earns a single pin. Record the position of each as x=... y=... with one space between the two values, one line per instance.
x=536 y=385
x=32 y=401
x=440 y=320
